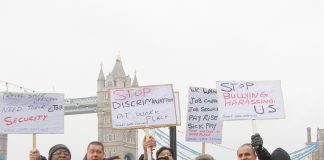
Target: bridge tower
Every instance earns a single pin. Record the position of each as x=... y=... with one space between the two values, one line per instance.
x=116 y=142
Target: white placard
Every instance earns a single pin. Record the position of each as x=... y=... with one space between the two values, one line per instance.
x=31 y=113
x=141 y=107
x=250 y=100
x=202 y=117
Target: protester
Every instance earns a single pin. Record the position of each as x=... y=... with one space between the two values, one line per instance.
x=164 y=152
x=263 y=154
x=279 y=154
x=57 y=152
x=246 y=152
x=95 y=151
x=204 y=157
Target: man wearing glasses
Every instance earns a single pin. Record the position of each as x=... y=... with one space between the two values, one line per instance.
x=57 y=152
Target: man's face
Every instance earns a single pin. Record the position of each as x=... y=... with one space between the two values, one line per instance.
x=95 y=152
x=246 y=153
x=61 y=154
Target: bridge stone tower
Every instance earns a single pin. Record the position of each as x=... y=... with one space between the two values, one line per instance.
x=116 y=142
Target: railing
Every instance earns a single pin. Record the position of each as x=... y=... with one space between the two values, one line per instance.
x=186 y=152
x=80 y=105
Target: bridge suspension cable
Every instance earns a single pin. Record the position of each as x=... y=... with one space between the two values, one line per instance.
x=5 y=86
x=304 y=152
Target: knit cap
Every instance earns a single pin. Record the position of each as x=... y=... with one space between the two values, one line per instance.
x=279 y=154
x=204 y=157
x=55 y=148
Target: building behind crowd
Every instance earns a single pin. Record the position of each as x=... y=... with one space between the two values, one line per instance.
x=117 y=142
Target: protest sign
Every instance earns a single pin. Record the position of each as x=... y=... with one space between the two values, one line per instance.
x=31 y=113
x=203 y=124
x=250 y=100
x=147 y=106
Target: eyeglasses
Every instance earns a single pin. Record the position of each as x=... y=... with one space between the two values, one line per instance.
x=163 y=158
x=65 y=153
x=165 y=155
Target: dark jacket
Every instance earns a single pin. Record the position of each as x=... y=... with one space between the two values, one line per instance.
x=277 y=154
x=43 y=158
x=143 y=157
x=263 y=154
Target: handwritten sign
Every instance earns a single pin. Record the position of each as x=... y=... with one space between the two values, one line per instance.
x=202 y=117
x=250 y=100
x=148 y=106
x=31 y=113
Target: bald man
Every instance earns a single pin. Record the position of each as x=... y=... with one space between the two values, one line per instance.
x=246 y=152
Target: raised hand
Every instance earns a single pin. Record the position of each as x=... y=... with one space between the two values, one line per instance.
x=257 y=141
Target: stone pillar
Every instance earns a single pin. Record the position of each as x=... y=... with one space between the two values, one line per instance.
x=309 y=137
x=3 y=146
x=320 y=136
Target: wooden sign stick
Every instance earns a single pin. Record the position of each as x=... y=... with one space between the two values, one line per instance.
x=148 y=149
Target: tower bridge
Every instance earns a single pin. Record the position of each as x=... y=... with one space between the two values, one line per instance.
x=116 y=142
x=80 y=105
x=124 y=144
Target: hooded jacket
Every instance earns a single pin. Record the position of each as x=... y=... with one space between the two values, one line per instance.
x=279 y=154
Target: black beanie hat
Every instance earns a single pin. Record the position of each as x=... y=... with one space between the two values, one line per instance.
x=279 y=154
x=55 y=148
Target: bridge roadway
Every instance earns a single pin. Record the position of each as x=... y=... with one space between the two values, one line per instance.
x=83 y=105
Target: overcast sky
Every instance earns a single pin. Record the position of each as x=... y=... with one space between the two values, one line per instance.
x=59 y=45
